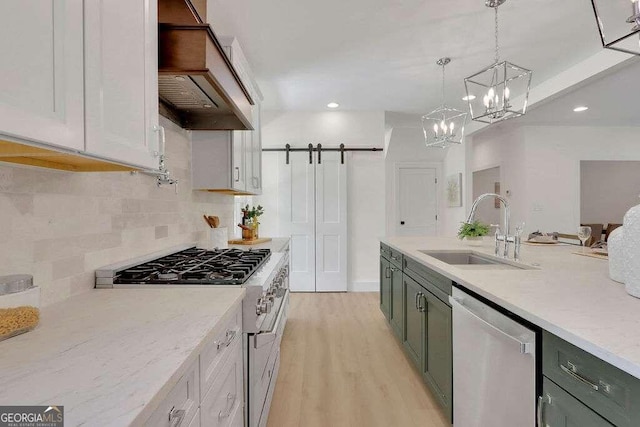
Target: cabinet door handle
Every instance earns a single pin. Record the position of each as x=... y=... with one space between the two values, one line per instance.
x=387 y=272
x=571 y=371
x=540 y=410
x=231 y=401
x=230 y=335
x=237 y=173
x=176 y=416
x=394 y=258
x=417 y=298
x=423 y=308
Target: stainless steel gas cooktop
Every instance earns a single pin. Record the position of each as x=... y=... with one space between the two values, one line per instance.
x=196 y=267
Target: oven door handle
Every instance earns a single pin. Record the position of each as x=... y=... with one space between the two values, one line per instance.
x=263 y=338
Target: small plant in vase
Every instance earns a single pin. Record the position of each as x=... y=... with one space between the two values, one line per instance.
x=472 y=233
x=250 y=219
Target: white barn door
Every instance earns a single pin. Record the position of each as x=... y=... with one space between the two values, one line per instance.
x=296 y=216
x=312 y=209
x=331 y=224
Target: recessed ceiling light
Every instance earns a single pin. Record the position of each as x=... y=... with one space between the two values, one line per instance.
x=580 y=109
x=469 y=98
x=333 y=105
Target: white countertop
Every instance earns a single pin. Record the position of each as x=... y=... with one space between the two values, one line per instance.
x=570 y=295
x=112 y=354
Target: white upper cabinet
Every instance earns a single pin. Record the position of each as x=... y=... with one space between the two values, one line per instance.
x=254 y=152
x=121 y=80
x=41 y=89
x=218 y=161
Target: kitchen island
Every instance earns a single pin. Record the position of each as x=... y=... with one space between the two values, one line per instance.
x=111 y=357
x=569 y=295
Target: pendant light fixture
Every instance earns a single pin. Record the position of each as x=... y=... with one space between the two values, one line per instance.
x=500 y=91
x=444 y=126
x=619 y=30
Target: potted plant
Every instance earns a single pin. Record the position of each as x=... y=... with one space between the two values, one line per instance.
x=250 y=219
x=473 y=232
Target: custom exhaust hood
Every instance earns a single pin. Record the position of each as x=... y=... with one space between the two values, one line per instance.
x=198 y=85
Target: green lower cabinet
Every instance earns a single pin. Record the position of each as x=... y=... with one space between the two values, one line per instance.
x=560 y=409
x=438 y=351
x=385 y=287
x=414 y=321
x=427 y=340
x=397 y=292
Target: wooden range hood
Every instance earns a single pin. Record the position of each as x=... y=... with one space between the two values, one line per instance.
x=199 y=87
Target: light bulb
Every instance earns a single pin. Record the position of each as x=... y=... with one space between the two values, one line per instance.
x=491 y=93
x=496 y=100
x=435 y=129
x=506 y=93
x=451 y=127
x=486 y=101
x=443 y=125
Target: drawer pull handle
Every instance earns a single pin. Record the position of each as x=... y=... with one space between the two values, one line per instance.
x=230 y=335
x=176 y=416
x=231 y=401
x=571 y=371
x=394 y=258
x=605 y=387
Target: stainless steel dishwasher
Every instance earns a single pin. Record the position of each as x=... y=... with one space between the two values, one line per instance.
x=494 y=367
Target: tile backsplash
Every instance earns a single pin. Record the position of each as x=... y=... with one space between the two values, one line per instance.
x=62 y=226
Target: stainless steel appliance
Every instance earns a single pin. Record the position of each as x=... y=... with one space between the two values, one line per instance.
x=265 y=276
x=494 y=366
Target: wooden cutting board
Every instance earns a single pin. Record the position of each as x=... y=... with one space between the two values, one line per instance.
x=592 y=255
x=249 y=242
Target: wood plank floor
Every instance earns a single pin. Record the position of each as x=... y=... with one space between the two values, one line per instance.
x=342 y=366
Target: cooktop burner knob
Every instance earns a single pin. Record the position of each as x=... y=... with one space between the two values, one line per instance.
x=263 y=306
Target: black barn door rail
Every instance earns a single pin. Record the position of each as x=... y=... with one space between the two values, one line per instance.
x=310 y=148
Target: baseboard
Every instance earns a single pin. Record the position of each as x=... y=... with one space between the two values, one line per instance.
x=364 y=286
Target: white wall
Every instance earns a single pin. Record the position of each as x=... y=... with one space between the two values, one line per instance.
x=366 y=178
x=540 y=168
x=407 y=146
x=484 y=181
x=607 y=190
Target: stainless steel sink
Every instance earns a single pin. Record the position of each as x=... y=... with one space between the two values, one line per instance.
x=474 y=260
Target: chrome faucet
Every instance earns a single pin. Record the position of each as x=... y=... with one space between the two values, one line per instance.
x=505 y=237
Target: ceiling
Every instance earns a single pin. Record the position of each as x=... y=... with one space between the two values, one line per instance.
x=612 y=99
x=381 y=54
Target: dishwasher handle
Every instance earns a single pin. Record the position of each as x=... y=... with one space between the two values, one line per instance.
x=525 y=347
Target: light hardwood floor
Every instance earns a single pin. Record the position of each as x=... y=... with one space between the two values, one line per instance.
x=342 y=366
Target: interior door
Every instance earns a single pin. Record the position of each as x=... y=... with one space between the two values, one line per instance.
x=417 y=208
x=296 y=217
x=312 y=210
x=331 y=224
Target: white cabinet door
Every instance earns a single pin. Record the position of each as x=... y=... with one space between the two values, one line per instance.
x=41 y=85
x=121 y=80
x=254 y=153
x=238 y=160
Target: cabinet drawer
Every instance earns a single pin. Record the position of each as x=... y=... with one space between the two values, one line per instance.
x=396 y=258
x=215 y=351
x=385 y=251
x=422 y=273
x=435 y=283
x=184 y=396
x=610 y=392
x=226 y=394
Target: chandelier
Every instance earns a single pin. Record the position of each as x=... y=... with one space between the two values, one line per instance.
x=444 y=126
x=616 y=26
x=500 y=91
